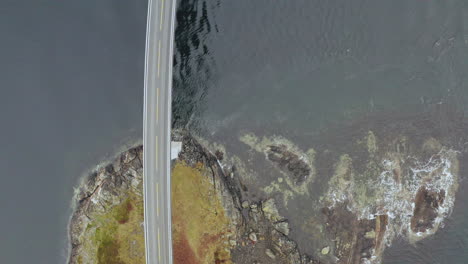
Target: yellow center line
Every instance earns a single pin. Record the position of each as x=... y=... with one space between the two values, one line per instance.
x=159 y=56
x=156 y=152
x=157 y=104
x=161 y=21
x=157 y=199
x=159 y=247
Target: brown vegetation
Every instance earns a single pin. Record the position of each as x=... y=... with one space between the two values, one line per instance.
x=200 y=226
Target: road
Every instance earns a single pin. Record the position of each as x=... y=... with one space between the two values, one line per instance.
x=156 y=131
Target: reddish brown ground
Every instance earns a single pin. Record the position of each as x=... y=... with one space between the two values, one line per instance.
x=183 y=253
x=128 y=208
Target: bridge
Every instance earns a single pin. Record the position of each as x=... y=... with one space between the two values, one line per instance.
x=157 y=131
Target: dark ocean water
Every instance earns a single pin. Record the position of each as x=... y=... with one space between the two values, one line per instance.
x=71 y=85
x=294 y=67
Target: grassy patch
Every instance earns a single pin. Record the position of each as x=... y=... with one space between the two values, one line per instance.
x=117 y=236
x=108 y=251
x=200 y=226
x=122 y=212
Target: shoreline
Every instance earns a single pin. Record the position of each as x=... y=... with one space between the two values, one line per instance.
x=81 y=181
x=406 y=157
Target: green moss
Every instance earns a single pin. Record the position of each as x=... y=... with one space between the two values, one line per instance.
x=108 y=246
x=108 y=251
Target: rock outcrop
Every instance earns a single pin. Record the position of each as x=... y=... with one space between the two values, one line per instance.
x=107 y=224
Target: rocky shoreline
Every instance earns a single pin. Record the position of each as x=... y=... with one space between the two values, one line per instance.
x=260 y=232
x=354 y=200
x=102 y=191
x=255 y=226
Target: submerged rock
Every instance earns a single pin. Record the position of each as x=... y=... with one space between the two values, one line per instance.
x=270 y=210
x=295 y=165
x=289 y=162
x=325 y=250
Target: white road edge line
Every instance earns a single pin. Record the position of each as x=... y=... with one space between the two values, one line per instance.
x=169 y=118
x=145 y=118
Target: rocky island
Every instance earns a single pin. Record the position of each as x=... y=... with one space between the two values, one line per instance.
x=343 y=199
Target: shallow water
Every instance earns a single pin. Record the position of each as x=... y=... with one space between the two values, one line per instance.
x=295 y=68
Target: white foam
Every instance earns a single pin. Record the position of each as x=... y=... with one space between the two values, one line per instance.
x=396 y=199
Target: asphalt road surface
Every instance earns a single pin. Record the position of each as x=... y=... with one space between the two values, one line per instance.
x=156 y=130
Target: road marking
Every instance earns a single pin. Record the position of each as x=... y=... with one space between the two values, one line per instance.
x=159 y=56
x=156 y=152
x=159 y=247
x=157 y=199
x=157 y=104
x=161 y=21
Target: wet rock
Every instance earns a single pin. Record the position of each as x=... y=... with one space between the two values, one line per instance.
x=270 y=210
x=352 y=246
x=253 y=208
x=253 y=237
x=282 y=227
x=289 y=162
x=270 y=253
x=219 y=155
x=129 y=156
x=325 y=250
x=425 y=210
x=296 y=166
x=269 y=234
x=381 y=223
x=370 y=234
